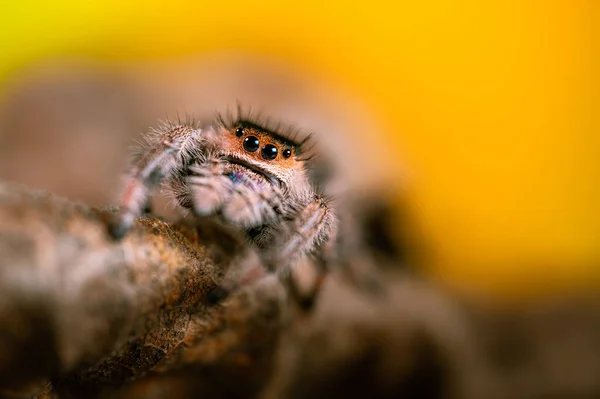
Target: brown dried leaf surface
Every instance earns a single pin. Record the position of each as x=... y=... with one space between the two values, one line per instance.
x=83 y=309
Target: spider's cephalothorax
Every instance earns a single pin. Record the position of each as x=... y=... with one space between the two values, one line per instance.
x=251 y=177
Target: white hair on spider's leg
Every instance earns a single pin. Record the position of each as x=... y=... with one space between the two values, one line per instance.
x=167 y=150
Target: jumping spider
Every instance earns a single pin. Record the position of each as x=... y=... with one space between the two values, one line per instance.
x=248 y=175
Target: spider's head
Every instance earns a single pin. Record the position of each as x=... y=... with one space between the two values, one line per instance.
x=262 y=151
x=262 y=145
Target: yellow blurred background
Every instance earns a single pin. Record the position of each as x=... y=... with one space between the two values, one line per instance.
x=490 y=104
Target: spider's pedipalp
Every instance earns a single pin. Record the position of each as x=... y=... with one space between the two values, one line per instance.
x=251 y=204
x=208 y=186
x=212 y=186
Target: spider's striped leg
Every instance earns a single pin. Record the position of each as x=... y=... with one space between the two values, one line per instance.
x=298 y=237
x=306 y=244
x=305 y=278
x=167 y=151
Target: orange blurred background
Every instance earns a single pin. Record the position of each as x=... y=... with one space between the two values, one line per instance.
x=489 y=105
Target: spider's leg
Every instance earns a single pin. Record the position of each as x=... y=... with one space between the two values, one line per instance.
x=167 y=151
x=306 y=244
x=304 y=280
x=300 y=236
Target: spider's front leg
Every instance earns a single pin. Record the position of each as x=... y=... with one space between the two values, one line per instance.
x=310 y=231
x=168 y=150
x=304 y=238
x=308 y=242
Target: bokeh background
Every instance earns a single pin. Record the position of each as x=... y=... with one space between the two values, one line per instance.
x=479 y=116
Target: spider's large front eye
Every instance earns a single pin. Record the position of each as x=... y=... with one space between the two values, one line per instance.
x=269 y=152
x=239 y=131
x=251 y=144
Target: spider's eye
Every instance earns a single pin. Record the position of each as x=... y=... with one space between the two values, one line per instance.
x=287 y=153
x=239 y=131
x=269 y=152
x=251 y=143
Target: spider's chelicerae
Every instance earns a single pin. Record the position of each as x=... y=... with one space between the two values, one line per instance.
x=250 y=176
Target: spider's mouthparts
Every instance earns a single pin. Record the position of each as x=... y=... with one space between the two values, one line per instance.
x=253 y=168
